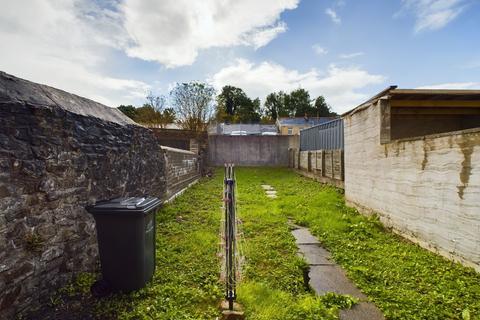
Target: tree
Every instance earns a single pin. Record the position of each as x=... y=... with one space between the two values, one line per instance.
x=193 y=104
x=229 y=99
x=299 y=103
x=130 y=111
x=295 y=104
x=152 y=113
x=169 y=115
x=156 y=102
x=275 y=105
x=147 y=115
x=322 y=109
x=233 y=105
x=248 y=111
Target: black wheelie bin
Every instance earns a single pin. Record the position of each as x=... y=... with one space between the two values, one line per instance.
x=126 y=242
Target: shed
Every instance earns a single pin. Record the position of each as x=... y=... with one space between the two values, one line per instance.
x=413 y=157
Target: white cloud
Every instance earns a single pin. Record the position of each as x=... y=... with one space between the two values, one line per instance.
x=65 y=43
x=351 y=55
x=333 y=15
x=340 y=86
x=173 y=31
x=434 y=14
x=260 y=38
x=453 y=85
x=62 y=44
x=319 y=49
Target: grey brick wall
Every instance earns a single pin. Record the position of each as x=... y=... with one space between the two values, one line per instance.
x=182 y=168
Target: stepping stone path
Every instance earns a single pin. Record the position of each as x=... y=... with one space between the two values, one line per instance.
x=327 y=276
x=270 y=191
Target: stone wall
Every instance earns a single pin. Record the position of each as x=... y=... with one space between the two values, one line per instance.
x=250 y=150
x=426 y=188
x=58 y=153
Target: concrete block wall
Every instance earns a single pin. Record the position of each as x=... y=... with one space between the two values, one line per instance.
x=326 y=163
x=426 y=188
x=250 y=150
x=318 y=161
x=326 y=166
x=304 y=160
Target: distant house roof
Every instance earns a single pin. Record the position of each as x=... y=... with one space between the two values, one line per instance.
x=301 y=121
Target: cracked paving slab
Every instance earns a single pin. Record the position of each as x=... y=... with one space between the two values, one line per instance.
x=327 y=276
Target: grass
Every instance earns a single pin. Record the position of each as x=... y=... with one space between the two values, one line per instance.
x=404 y=280
x=185 y=284
x=273 y=286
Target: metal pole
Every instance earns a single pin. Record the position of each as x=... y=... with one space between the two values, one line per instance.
x=230 y=236
x=225 y=199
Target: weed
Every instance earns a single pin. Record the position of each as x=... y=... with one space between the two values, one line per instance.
x=33 y=242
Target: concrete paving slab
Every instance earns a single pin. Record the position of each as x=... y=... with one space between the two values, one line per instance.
x=326 y=276
x=362 y=310
x=303 y=236
x=271 y=192
x=267 y=187
x=314 y=254
x=273 y=196
x=332 y=278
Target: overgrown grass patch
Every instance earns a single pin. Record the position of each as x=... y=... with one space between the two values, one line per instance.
x=186 y=281
x=273 y=285
x=404 y=280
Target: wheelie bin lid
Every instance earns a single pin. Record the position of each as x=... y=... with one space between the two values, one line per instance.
x=124 y=205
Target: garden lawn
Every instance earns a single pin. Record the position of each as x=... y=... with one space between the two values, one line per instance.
x=404 y=280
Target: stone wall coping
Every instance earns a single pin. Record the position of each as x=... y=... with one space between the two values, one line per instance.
x=39 y=95
x=177 y=150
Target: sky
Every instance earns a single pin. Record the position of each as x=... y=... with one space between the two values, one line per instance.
x=116 y=52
